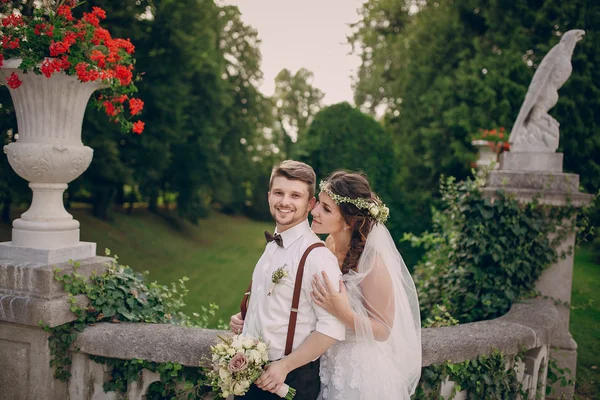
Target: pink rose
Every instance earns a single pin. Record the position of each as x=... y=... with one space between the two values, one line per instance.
x=239 y=362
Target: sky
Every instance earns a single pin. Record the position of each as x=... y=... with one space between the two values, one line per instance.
x=305 y=33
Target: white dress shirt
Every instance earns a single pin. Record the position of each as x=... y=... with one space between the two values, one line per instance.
x=268 y=316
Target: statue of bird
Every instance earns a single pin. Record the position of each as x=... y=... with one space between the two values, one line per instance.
x=535 y=130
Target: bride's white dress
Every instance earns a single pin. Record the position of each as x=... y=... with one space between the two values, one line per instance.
x=381 y=357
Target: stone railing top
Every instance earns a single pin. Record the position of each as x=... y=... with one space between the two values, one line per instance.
x=150 y=342
x=527 y=325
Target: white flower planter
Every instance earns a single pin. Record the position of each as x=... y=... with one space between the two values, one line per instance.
x=48 y=153
x=485 y=154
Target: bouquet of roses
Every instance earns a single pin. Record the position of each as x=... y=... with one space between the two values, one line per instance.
x=236 y=363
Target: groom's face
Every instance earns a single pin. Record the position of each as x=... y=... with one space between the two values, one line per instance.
x=289 y=202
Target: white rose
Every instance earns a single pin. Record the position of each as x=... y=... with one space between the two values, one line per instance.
x=374 y=210
x=261 y=347
x=255 y=356
x=237 y=344
x=231 y=351
x=248 y=344
x=224 y=373
x=245 y=384
x=239 y=389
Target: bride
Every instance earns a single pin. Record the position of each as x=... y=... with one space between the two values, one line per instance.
x=381 y=356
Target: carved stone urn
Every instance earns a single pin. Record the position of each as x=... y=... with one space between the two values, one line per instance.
x=48 y=153
x=486 y=155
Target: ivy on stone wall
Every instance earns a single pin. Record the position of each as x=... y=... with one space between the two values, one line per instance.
x=123 y=295
x=176 y=381
x=484 y=378
x=486 y=253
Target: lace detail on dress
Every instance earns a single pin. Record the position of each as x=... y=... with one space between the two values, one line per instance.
x=352 y=370
x=339 y=372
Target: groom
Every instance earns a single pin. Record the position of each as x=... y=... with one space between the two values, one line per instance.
x=291 y=197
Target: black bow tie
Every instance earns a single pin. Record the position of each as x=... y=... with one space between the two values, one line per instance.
x=276 y=238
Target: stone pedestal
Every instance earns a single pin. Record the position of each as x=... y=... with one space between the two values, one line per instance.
x=29 y=294
x=539 y=175
x=79 y=251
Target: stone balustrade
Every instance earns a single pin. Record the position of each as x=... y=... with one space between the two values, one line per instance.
x=526 y=326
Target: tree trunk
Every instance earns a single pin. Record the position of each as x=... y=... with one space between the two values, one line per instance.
x=103 y=201
x=153 y=203
x=6 y=208
x=131 y=202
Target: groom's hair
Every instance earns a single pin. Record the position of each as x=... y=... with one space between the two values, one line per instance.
x=296 y=171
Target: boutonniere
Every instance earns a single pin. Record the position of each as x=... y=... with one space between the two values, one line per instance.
x=277 y=276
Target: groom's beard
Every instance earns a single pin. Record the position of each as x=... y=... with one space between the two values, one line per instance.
x=288 y=220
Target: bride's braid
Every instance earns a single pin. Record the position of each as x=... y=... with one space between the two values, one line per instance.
x=353 y=185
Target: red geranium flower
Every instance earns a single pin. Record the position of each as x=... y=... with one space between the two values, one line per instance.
x=8 y=42
x=138 y=127
x=123 y=74
x=110 y=108
x=65 y=11
x=135 y=106
x=91 y=19
x=13 y=20
x=98 y=12
x=13 y=82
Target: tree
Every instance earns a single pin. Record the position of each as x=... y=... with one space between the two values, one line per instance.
x=249 y=114
x=342 y=137
x=297 y=102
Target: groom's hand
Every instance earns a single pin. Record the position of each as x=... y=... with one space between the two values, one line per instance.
x=273 y=377
x=236 y=323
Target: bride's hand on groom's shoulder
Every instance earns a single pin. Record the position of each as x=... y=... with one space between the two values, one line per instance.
x=273 y=377
x=236 y=323
x=333 y=301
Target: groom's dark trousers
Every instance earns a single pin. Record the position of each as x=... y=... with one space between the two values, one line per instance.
x=305 y=380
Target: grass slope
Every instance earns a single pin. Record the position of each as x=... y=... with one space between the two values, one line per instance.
x=585 y=323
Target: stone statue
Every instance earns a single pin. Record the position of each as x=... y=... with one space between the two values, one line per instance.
x=535 y=130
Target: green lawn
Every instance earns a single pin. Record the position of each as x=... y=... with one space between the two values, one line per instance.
x=585 y=323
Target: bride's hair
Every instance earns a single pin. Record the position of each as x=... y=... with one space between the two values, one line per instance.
x=353 y=185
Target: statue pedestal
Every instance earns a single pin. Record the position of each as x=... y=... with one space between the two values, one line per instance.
x=531 y=161
x=536 y=175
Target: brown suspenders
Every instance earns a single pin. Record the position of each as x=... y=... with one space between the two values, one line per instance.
x=295 y=299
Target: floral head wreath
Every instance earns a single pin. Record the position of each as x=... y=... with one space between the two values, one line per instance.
x=377 y=210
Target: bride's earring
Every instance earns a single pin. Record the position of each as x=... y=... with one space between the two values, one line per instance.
x=346 y=227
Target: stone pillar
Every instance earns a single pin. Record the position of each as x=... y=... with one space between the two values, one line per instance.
x=531 y=174
x=30 y=295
